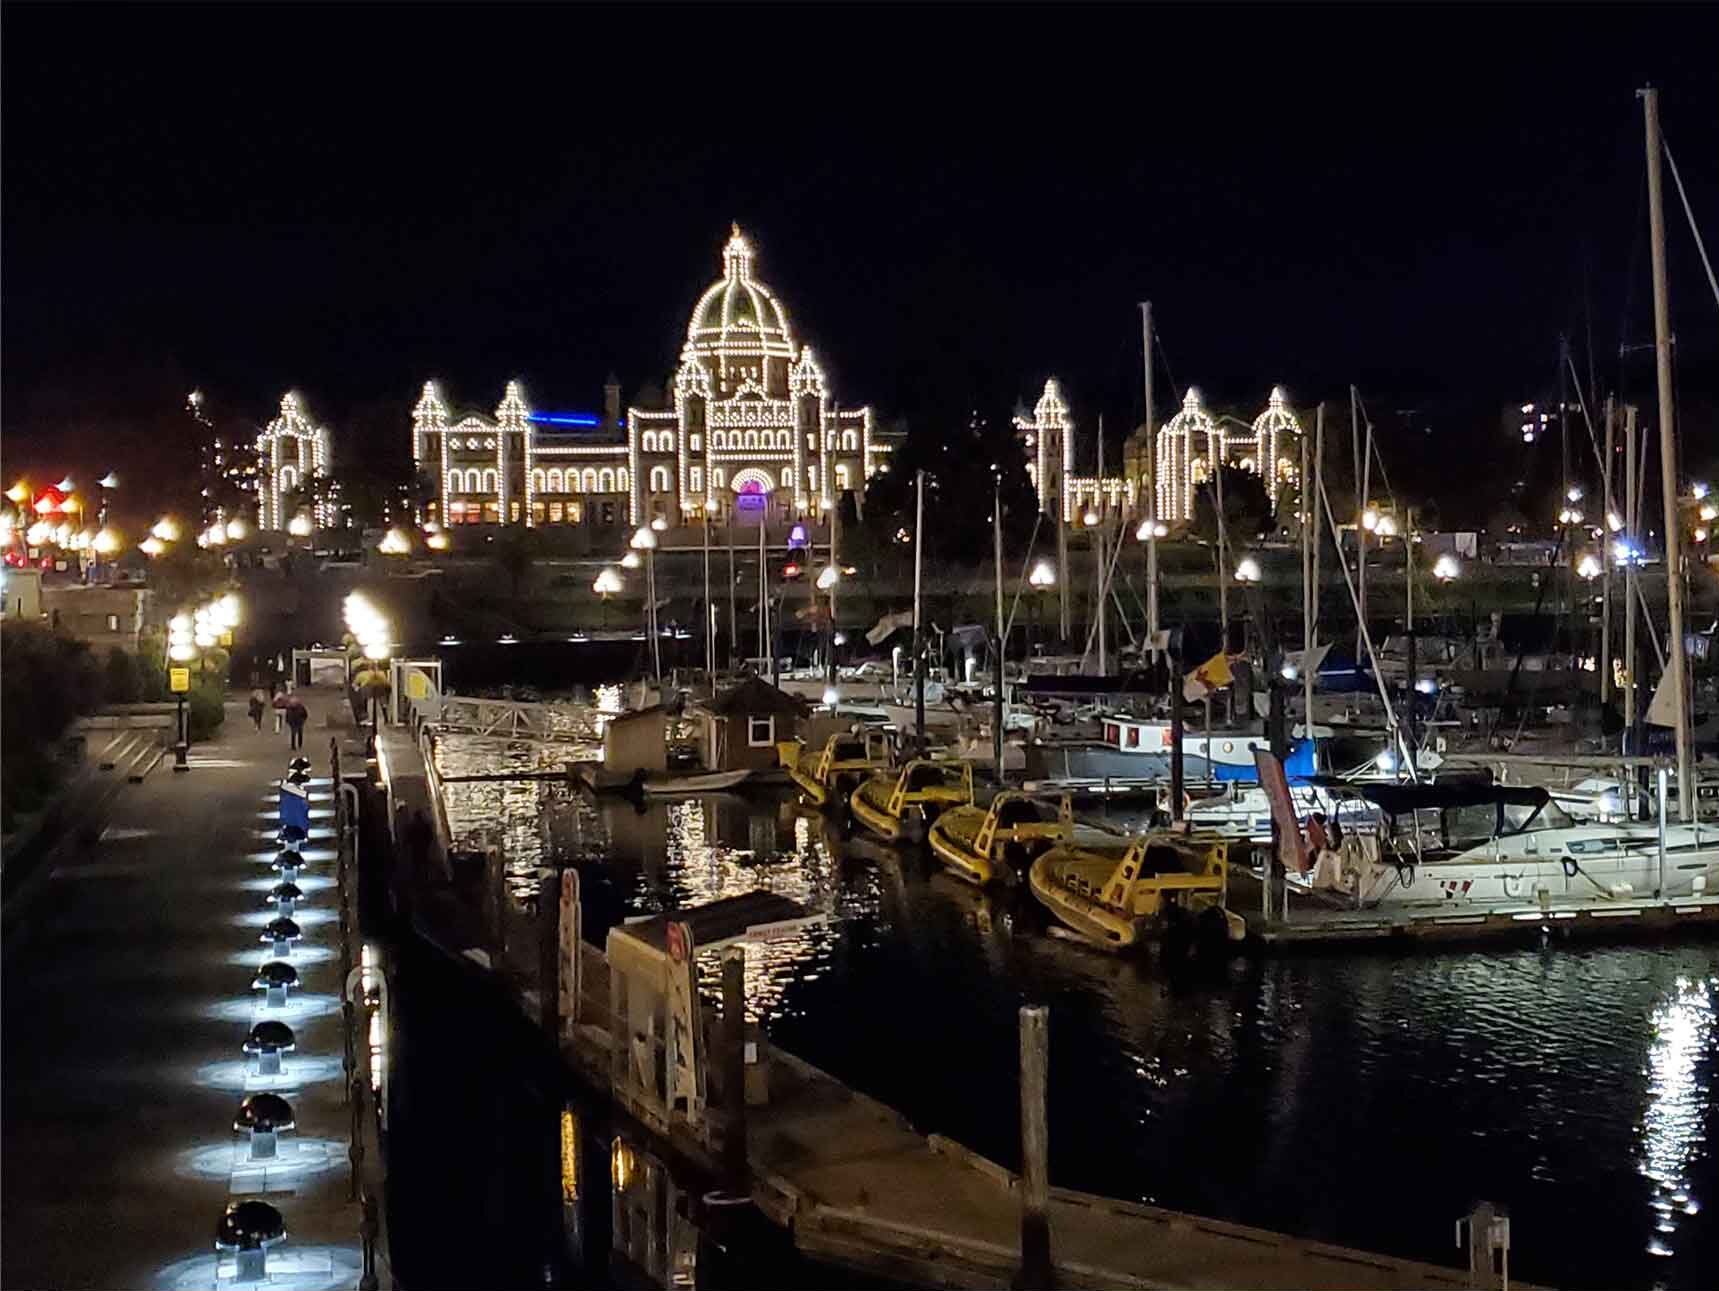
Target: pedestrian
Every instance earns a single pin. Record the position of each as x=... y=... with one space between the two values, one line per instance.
x=278 y=701
x=259 y=704
x=296 y=716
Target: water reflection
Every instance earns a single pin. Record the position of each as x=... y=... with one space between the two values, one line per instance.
x=1571 y=1085
x=1678 y=1104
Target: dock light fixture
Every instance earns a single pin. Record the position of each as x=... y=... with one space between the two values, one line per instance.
x=832 y=697
x=1248 y=571
x=660 y=523
x=248 y=1229
x=1427 y=686
x=645 y=539
x=828 y=577
x=1447 y=568
x=1150 y=529
x=1574 y=493
x=300 y=525
x=1289 y=672
x=1043 y=575
x=608 y=582
x=631 y=560
x=1588 y=566
x=1708 y=513
x=1699 y=489
x=1370 y=519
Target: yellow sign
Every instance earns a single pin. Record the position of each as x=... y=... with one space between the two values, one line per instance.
x=417 y=685
x=226 y=638
x=179 y=680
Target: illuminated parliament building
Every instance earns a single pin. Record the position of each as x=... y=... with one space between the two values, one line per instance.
x=752 y=428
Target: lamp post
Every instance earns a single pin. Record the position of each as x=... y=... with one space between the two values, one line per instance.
x=181 y=649
x=828 y=577
x=1041 y=580
x=607 y=583
x=372 y=632
x=645 y=540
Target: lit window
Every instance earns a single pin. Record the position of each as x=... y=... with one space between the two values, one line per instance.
x=760 y=732
x=555 y=512
x=113 y=623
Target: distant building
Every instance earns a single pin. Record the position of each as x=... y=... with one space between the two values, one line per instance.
x=752 y=427
x=20 y=594
x=101 y=616
x=741 y=727
x=291 y=451
x=226 y=460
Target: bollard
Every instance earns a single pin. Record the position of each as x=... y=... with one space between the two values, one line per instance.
x=369 y=1229
x=276 y=981
x=549 y=956
x=1485 y=1235
x=264 y=1117
x=280 y=935
x=735 y=1159
x=269 y=1040
x=284 y=896
x=250 y=1228
x=1035 y=1271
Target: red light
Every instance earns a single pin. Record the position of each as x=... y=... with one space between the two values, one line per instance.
x=790 y=570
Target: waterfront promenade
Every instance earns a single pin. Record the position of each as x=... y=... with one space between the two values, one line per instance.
x=128 y=997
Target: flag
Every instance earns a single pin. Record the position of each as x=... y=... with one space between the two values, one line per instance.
x=887 y=624
x=1213 y=674
x=1302 y=661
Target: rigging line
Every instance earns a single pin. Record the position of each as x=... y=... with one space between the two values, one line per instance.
x=1689 y=213
x=1158 y=340
x=1020 y=584
x=1367 y=421
x=1582 y=403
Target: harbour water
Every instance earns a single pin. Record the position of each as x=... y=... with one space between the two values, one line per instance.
x=1362 y=1098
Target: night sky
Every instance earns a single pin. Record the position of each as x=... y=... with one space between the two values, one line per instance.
x=952 y=204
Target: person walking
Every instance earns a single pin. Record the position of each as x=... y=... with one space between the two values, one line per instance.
x=259 y=705
x=296 y=716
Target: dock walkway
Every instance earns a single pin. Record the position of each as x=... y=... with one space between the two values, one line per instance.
x=125 y=1013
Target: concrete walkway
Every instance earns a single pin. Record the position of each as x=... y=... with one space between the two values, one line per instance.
x=124 y=1014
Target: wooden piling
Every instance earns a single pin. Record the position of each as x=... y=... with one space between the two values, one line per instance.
x=1035 y=1271
x=734 y=1064
x=549 y=956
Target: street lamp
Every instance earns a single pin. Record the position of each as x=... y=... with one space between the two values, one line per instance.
x=1041 y=580
x=1248 y=571
x=395 y=543
x=182 y=649
x=1589 y=566
x=165 y=529
x=1447 y=568
x=237 y=529
x=608 y=583
x=645 y=540
x=300 y=525
x=152 y=546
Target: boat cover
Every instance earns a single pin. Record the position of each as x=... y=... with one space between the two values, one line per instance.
x=1398 y=799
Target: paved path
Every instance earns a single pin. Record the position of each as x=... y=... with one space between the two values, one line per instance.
x=124 y=1014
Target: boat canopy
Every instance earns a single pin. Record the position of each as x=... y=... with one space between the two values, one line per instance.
x=1400 y=799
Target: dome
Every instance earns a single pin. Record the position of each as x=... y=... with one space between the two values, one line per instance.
x=738 y=314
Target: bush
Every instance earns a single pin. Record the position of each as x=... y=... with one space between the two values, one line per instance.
x=206 y=708
x=46 y=680
x=123 y=683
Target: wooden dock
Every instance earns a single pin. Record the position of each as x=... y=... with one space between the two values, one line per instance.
x=849 y=1179
x=1320 y=922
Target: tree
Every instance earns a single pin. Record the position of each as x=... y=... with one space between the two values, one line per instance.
x=515 y=550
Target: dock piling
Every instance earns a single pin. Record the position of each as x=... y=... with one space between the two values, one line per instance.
x=1485 y=1234
x=1035 y=1270
x=734 y=1060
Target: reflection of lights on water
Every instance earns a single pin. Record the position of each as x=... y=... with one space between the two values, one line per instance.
x=623 y=1165
x=569 y=1156
x=1684 y=1033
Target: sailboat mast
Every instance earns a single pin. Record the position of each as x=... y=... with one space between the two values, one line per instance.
x=1151 y=488
x=1360 y=510
x=1309 y=592
x=918 y=638
x=1000 y=713
x=1632 y=510
x=1677 y=672
x=1099 y=584
x=709 y=612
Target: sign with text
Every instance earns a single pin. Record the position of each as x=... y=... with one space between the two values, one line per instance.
x=683 y=1073
x=178 y=680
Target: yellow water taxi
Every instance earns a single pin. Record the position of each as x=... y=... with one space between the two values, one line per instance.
x=897 y=805
x=1118 y=897
x=995 y=844
x=826 y=776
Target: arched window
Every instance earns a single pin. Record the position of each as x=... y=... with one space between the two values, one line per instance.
x=787 y=477
x=589 y=479
x=697 y=478
x=750 y=440
x=289 y=478
x=842 y=477
x=555 y=483
x=621 y=479
x=661 y=481
x=650 y=441
x=718 y=439
x=718 y=477
x=488 y=482
x=605 y=481
x=812 y=478
x=539 y=481
x=850 y=441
